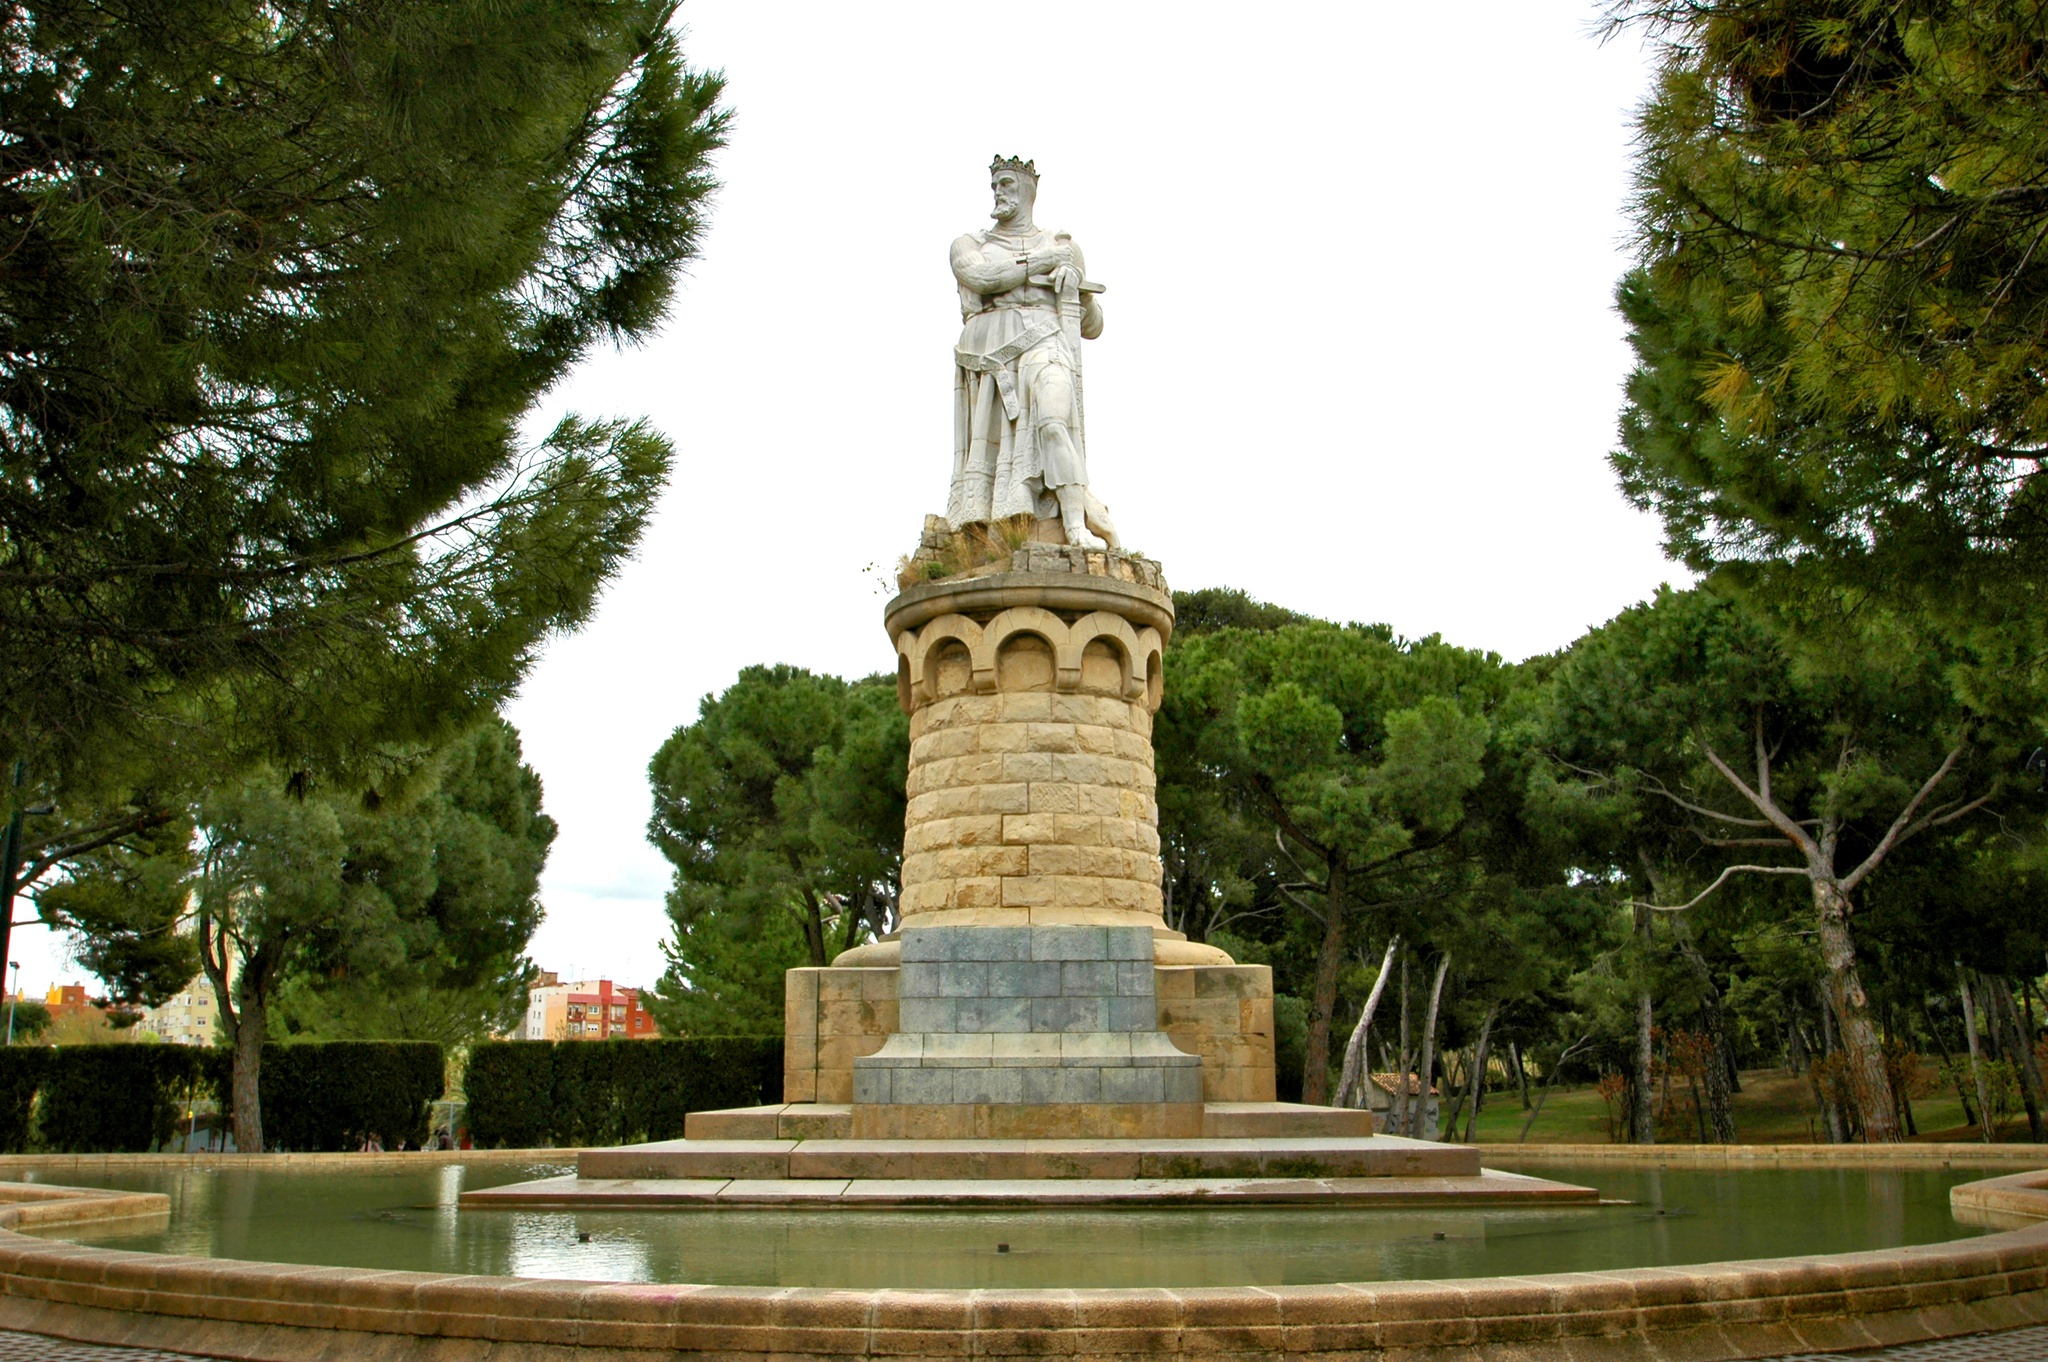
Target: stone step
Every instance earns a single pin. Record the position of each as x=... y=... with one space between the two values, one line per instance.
x=834 y=1121
x=1488 y=1188
x=1381 y=1156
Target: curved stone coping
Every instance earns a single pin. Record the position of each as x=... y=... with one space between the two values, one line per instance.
x=13 y=1165
x=1970 y=1154
x=1070 y=591
x=267 y=1312
x=2017 y=1197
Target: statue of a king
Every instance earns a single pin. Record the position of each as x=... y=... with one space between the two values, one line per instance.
x=1018 y=441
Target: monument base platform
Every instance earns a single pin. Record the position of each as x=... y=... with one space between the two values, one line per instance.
x=1380 y=1156
x=1485 y=1188
x=1216 y=1121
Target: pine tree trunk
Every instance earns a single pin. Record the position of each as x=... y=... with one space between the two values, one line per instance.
x=1521 y=1071
x=1948 y=1063
x=2021 y=1053
x=1976 y=1062
x=250 y=1006
x=1721 y=1082
x=1642 y=1116
x=1479 y=1069
x=1862 y=1052
x=1315 y=1066
x=1401 y=1103
x=1436 y=994
x=1352 y=1083
x=1828 y=1097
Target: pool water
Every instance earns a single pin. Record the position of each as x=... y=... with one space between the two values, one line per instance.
x=407 y=1219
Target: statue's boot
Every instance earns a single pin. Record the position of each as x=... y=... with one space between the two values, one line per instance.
x=1097 y=519
x=1074 y=517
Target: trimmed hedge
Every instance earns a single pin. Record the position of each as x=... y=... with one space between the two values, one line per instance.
x=21 y=1072
x=329 y=1095
x=531 y=1094
x=116 y=1099
x=112 y=1099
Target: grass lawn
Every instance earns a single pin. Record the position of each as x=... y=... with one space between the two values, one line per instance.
x=1774 y=1107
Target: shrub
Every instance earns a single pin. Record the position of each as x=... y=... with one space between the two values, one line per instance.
x=110 y=1099
x=328 y=1095
x=526 y=1094
x=509 y=1086
x=21 y=1073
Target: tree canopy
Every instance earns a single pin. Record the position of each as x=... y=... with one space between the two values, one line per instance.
x=781 y=809
x=1841 y=315
x=283 y=281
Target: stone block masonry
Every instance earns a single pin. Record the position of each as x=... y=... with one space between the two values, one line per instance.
x=1031 y=786
x=1049 y=1031
x=1222 y=1013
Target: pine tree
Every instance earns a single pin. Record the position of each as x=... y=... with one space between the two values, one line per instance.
x=781 y=809
x=346 y=912
x=282 y=280
x=1841 y=321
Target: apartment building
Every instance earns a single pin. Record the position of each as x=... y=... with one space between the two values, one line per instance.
x=588 y=1009
x=191 y=1018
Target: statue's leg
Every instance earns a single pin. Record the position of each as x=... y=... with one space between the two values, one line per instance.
x=975 y=473
x=1065 y=470
x=1097 y=519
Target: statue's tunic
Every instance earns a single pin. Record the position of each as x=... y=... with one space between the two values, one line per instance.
x=1015 y=386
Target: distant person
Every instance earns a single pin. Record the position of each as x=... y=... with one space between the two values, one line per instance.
x=373 y=1145
x=465 y=1141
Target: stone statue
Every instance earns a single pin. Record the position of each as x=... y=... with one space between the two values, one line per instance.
x=1019 y=446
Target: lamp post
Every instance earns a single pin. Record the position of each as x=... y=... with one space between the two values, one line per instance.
x=14 y=965
x=11 y=855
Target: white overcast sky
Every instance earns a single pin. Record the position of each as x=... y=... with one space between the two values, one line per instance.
x=1361 y=357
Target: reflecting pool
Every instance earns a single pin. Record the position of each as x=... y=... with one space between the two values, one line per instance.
x=408 y=1219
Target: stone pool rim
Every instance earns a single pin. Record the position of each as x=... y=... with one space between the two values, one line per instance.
x=268 y=1312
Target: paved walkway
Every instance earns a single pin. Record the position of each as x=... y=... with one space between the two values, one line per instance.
x=2015 y=1345
x=2018 y=1345
x=38 y=1348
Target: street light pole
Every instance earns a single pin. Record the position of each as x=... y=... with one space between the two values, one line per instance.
x=14 y=965
x=10 y=858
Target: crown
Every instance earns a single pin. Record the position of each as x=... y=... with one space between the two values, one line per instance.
x=1021 y=166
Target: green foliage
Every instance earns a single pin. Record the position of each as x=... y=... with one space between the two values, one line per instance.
x=1224 y=607
x=22 y=1069
x=331 y=1096
x=536 y=1094
x=105 y=1099
x=30 y=1019
x=355 y=906
x=1360 y=759
x=1839 y=322
x=124 y=901
x=1290 y=1045
x=90 y=1099
x=286 y=278
x=781 y=810
x=441 y=895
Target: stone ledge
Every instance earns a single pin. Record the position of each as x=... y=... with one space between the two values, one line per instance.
x=1491 y=1187
x=1715 y=1312
x=1220 y=1120
x=966 y=1155
x=1068 y=592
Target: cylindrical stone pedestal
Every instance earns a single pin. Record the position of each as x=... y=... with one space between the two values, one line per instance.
x=1030 y=695
x=1031 y=827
